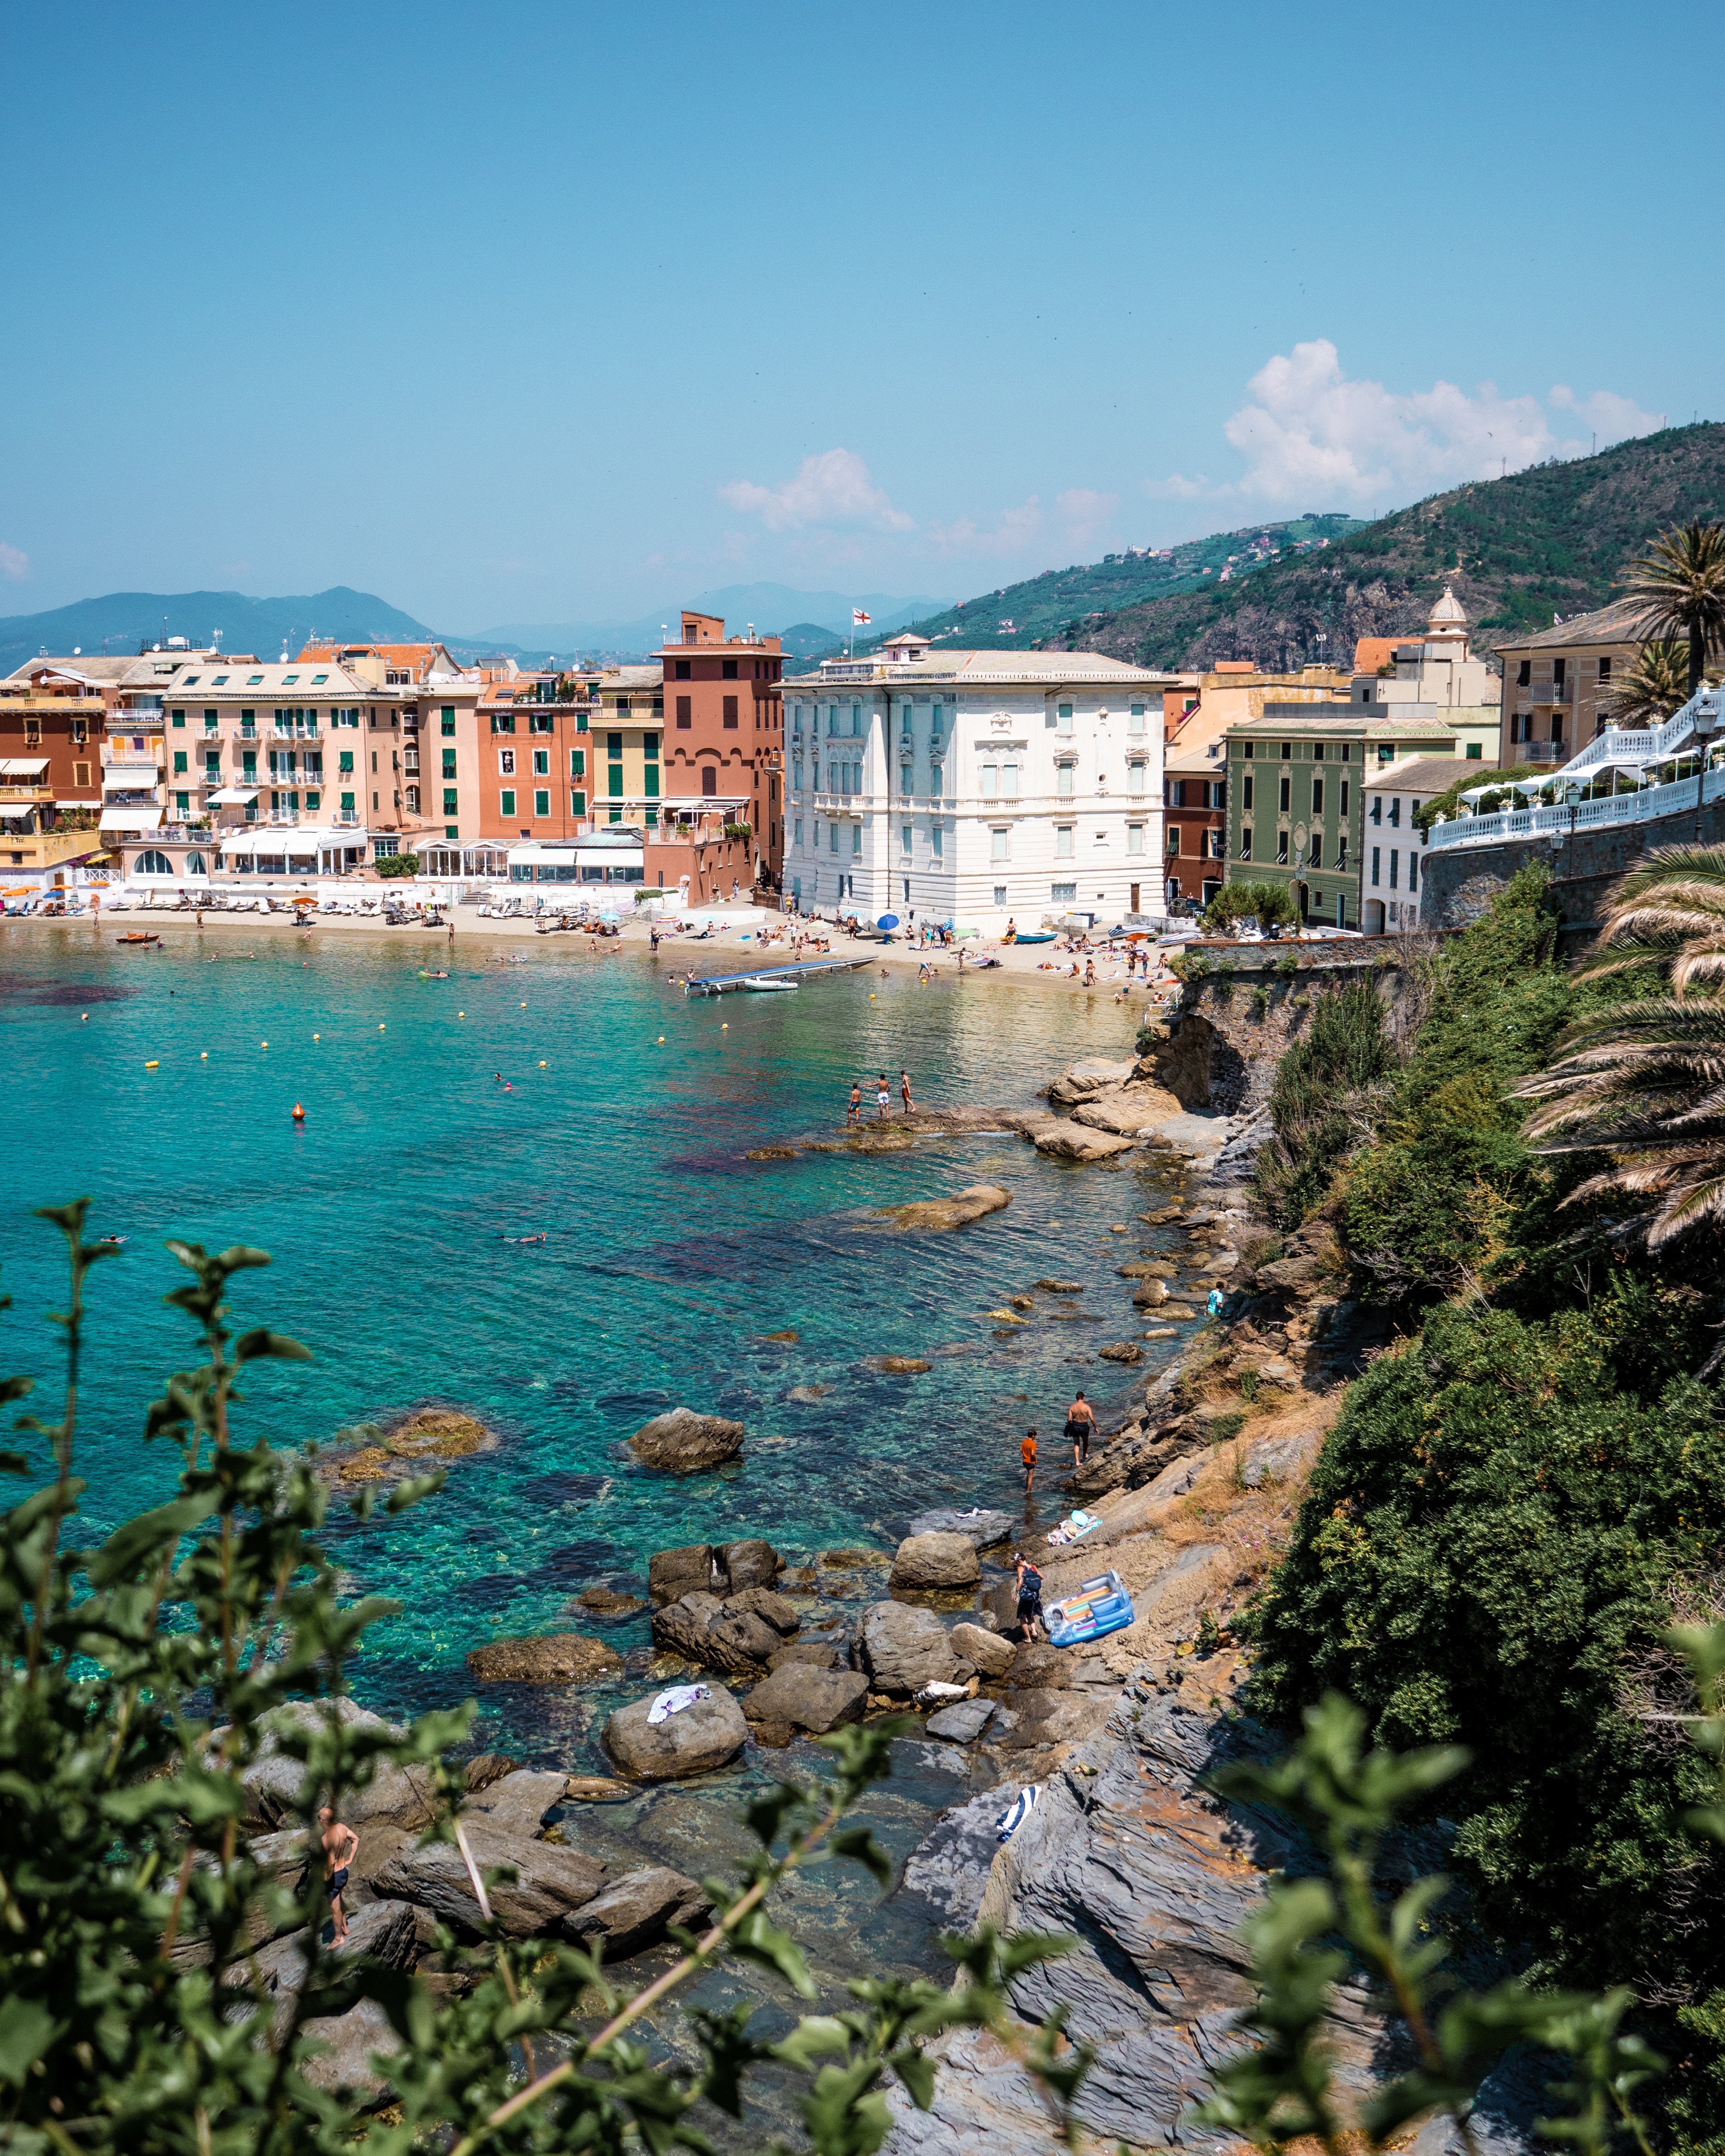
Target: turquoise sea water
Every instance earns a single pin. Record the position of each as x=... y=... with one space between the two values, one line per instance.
x=667 y=1256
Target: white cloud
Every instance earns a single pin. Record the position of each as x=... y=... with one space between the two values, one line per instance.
x=1014 y=532
x=1085 y=513
x=1308 y=432
x=831 y=488
x=14 y=562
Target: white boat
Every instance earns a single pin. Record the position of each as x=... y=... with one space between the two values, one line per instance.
x=761 y=981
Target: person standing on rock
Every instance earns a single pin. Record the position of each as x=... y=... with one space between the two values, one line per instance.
x=340 y=1845
x=1030 y=1587
x=904 y=1089
x=1080 y=1429
x=854 y=1112
x=883 y=1097
x=1027 y=1453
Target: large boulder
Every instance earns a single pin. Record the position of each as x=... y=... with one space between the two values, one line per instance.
x=551 y=1881
x=930 y=1562
x=1093 y=1076
x=901 y=1648
x=712 y=1568
x=273 y=1780
x=517 y=1803
x=348 y=2044
x=684 y=1442
x=1075 y=1141
x=1137 y=1108
x=962 y=1723
x=1055 y=1716
x=555 y=1658
x=935 y=1215
x=703 y=1737
x=632 y=1912
x=809 y=1698
x=986 y=1651
x=741 y=1635
x=982 y=1529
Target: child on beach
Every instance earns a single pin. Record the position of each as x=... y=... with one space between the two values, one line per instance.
x=855 y=1111
x=1027 y=1453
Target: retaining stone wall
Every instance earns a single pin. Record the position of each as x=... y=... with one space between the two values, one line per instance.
x=1458 y=883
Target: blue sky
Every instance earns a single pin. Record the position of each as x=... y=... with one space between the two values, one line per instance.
x=555 y=312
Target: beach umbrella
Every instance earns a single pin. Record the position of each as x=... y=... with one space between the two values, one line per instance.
x=887 y=921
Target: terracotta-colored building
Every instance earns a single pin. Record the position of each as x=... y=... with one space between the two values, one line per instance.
x=528 y=753
x=51 y=735
x=724 y=731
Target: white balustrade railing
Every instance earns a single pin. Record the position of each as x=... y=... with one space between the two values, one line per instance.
x=1652 y=802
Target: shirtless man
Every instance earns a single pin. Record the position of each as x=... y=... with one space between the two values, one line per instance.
x=1080 y=1429
x=340 y=1845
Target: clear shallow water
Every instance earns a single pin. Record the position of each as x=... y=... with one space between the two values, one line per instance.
x=667 y=1256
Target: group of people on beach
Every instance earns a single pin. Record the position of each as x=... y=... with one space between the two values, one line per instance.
x=883 y=1098
x=1081 y=1430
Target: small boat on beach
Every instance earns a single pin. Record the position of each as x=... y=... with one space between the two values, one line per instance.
x=135 y=937
x=1041 y=936
x=760 y=982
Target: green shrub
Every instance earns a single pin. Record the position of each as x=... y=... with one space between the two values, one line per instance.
x=1316 y=1104
x=1258 y=1002
x=397 y=864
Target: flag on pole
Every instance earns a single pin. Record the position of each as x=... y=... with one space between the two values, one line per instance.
x=859 y=620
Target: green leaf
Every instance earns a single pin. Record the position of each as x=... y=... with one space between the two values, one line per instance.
x=416 y=1487
x=26 y=2029
x=759 y=1940
x=253 y=1346
x=916 y=2073
x=814 y=2035
x=860 y=1846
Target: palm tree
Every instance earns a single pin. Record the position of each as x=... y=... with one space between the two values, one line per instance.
x=1644 y=1083
x=1669 y=912
x=1680 y=585
x=1652 y=688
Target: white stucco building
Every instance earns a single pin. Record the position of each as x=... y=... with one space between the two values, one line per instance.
x=975 y=786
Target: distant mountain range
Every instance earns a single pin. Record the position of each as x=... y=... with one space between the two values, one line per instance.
x=1553 y=540
x=128 y=621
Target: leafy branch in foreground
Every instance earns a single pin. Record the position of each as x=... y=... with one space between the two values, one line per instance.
x=139 y=1678
x=1312 y=1934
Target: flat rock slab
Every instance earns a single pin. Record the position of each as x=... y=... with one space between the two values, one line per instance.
x=982 y=1529
x=632 y=1912
x=699 y=1741
x=550 y=1883
x=1194 y=1134
x=901 y=1648
x=936 y=1215
x=807 y=1697
x=684 y=1442
x=934 y=1561
x=962 y=1723
x=352 y=2041
x=556 y=1658
x=985 y=1651
x=517 y=1803
x=1074 y=1141
x=949 y=1867
x=895 y=1366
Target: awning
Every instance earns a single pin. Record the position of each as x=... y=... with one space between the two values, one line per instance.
x=84 y=802
x=141 y=779
x=130 y=820
x=22 y=766
x=229 y=796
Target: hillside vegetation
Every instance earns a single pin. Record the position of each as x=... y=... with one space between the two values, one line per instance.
x=1553 y=540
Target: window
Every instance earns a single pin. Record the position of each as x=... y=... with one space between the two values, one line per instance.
x=856 y=720
x=796 y=832
x=1063 y=718
x=1386 y=753
x=650 y=781
x=614 y=780
x=1063 y=893
x=1286 y=785
x=832 y=838
x=1173 y=842
x=182 y=803
x=999 y=841
x=506 y=800
x=446 y=720
x=1341 y=851
x=684 y=711
x=1009 y=778
x=904 y=838
x=1475 y=752
x=727 y=670
x=856 y=837
x=1134 y=718
x=934 y=781
x=1605 y=670
x=1135 y=777
x=412 y=800
x=578 y=801
x=1377 y=855
x=623 y=708
x=1287 y=751
x=179 y=763
x=542 y=800
x=1559 y=672
x=1395 y=862
x=541 y=763
x=1135 y=838
x=1317 y=796
x=1063 y=778
x=1245 y=842
x=1063 y=842
x=710 y=778
x=506 y=762
x=152 y=863
x=80 y=774
x=935 y=839
x=1248 y=752
x=179 y=719
x=1245 y=797
x=731 y=711
x=1413 y=872
x=991 y=778
x=1281 y=848
x=1344 y=797
x=1317 y=751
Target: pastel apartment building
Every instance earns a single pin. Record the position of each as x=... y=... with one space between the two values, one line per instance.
x=975 y=786
x=1557 y=683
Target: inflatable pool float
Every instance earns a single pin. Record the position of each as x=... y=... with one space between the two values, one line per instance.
x=1101 y=1605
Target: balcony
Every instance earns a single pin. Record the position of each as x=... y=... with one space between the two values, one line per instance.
x=47 y=849
x=296 y=733
x=1551 y=692
x=247 y=733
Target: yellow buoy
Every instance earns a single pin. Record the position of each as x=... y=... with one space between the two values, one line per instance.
x=204 y=1058
x=524 y=1006
x=263 y=1044
x=317 y=1036
x=84 y=1020
x=383 y=1029
x=460 y=1014
x=151 y=1065
x=871 y=998
x=542 y=1063
x=659 y=1043
x=725 y=1026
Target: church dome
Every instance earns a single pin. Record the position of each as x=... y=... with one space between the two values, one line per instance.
x=1448 y=613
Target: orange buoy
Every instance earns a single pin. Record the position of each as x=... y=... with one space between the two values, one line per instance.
x=299 y=1113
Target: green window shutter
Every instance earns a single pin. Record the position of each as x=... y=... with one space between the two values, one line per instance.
x=541 y=803
x=449 y=763
x=649 y=785
x=578 y=763
x=577 y=801
x=449 y=802
x=509 y=801
x=614 y=780
x=314 y=800
x=448 y=718
x=347 y=805
x=179 y=762
x=347 y=760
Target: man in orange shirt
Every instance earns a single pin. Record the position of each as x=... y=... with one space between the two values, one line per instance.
x=1027 y=1453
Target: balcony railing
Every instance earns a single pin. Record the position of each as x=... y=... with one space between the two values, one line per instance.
x=296 y=733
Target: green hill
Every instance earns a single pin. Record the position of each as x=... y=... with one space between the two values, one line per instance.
x=130 y=621
x=1552 y=540
x=1063 y=602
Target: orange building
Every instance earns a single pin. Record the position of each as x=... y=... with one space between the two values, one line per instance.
x=724 y=730
x=529 y=757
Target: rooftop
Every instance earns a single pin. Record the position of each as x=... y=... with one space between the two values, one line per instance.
x=1341 y=719
x=298 y=680
x=1616 y=623
x=1043 y=668
x=1426 y=774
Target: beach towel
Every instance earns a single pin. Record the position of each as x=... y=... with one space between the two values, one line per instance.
x=1010 y=1820
x=937 y=1691
x=674 y=1700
